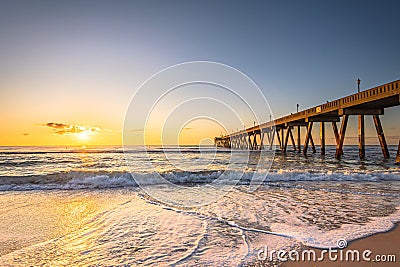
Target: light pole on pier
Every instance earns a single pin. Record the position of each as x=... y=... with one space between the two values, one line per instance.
x=361 y=131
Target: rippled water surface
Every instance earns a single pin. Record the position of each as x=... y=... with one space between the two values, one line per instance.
x=82 y=207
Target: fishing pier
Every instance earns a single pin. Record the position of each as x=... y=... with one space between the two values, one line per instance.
x=371 y=102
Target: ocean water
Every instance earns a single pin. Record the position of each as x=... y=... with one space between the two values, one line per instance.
x=76 y=206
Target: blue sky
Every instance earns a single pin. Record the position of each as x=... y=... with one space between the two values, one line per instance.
x=80 y=54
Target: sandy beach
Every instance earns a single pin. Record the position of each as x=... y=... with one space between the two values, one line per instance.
x=387 y=243
x=120 y=227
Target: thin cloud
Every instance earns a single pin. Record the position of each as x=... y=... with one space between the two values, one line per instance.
x=56 y=125
x=136 y=130
x=26 y=134
x=66 y=129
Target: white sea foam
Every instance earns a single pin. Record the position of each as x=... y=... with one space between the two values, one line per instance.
x=314 y=237
x=302 y=201
x=136 y=230
x=82 y=180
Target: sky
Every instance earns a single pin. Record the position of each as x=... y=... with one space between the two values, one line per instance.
x=69 y=69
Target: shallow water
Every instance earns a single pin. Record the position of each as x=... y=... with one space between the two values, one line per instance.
x=83 y=208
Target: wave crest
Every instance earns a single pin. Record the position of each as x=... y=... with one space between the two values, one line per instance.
x=89 y=180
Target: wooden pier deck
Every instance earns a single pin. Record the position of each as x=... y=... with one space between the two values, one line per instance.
x=371 y=102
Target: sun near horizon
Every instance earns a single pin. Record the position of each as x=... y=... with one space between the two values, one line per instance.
x=69 y=74
x=68 y=134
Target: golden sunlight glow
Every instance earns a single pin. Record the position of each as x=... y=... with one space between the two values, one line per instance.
x=196 y=131
x=83 y=136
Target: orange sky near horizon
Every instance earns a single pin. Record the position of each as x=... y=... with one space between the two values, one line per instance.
x=69 y=70
x=34 y=114
x=30 y=132
x=23 y=129
x=30 y=112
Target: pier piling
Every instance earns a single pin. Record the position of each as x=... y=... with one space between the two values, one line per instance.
x=381 y=136
x=343 y=127
x=322 y=137
x=279 y=139
x=286 y=139
x=272 y=138
x=336 y=134
x=361 y=137
x=292 y=138
x=312 y=144
x=298 y=139
x=308 y=137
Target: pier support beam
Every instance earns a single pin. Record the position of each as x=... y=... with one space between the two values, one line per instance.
x=286 y=140
x=256 y=141
x=361 y=137
x=298 y=139
x=271 y=143
x=398 y=153
x=256 y=145
x=322 y=137
x=269 y=133
x=249 y=142
x=292 y=138
x=336 y=134
x=339 y=146
x=308 y=136
x=357 y=111
x=312 y=144
x=279 y=139
x=253 y=142
x=381 y=136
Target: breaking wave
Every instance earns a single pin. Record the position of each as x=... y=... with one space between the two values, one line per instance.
x=101 y=179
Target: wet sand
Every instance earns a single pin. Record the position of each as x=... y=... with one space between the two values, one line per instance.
x=116 y=227
x=380 y=244
x=33 y=217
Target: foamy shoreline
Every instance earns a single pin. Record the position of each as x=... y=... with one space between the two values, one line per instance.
x=55 y=226
x=381 y=244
